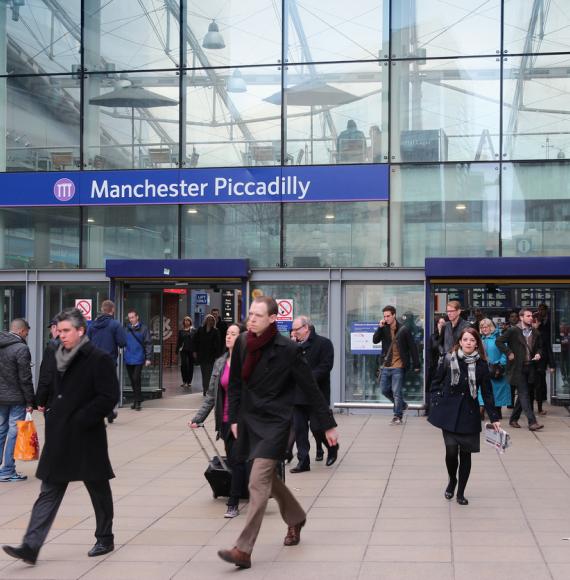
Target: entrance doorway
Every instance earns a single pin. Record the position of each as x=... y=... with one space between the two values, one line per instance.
x=162 y=308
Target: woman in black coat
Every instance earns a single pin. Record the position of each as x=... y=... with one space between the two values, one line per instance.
x=455 y=408
x=185 y=346
x=207 y=349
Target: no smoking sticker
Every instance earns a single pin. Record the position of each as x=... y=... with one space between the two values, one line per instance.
x=85 y=306
x=285 y=309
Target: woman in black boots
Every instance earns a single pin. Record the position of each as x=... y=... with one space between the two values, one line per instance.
x=455 y=408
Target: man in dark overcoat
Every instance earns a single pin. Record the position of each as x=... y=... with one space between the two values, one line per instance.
x=84 y=391
x=523 y=346
x=265 y=368
x=319 y=352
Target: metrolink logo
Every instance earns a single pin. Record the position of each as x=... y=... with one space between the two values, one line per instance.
x=64 y=189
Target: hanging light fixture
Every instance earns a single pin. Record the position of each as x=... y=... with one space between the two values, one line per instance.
x=236 y=83
x=213 y=38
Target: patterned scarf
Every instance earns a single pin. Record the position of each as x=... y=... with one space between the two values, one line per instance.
x=471 y=360
x=254 y=345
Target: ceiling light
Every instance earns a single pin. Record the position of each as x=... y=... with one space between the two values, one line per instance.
x=460 y=207
x=213 y=38
x=236 y=83
x=192 y=211
x=329 y=216
x=90 y=221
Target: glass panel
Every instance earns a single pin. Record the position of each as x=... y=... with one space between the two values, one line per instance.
x=321 y=31
x=439 y=28
x=41 y=122
x=12 y=304
x=40 y=37
x=336 y=234
x=363 y=304
x=532 y=26
x=536 y=209
x=229 y=128
x=337 y=113
x=310 y=300
x=536 y=119
x=448 y=210
x=131 y=121
x=232 y=231
x=129 y=232
x=445 y=110
x=222 y=33
x=39 y=237
x=131 y=35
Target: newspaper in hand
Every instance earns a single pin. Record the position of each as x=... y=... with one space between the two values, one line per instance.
x=500 y=439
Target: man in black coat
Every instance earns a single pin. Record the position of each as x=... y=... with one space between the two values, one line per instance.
x=319 y=352
x=84 y=390
x=523 y=346
x=265 y=368
x=454 y=326
x=398 y=351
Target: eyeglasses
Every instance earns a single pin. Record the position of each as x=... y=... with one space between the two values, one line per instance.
x=451 y=310
x=298 y=328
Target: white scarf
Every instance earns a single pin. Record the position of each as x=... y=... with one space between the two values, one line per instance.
x=471 y=360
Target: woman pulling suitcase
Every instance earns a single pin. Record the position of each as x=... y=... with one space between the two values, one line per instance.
x=217 y=396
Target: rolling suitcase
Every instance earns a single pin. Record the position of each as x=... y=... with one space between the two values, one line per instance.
x=218 y=473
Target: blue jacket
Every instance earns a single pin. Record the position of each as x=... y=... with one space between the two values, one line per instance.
x=139 y=345
x=107 y=334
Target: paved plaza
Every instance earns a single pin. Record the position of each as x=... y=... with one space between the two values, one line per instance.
x=379 y=512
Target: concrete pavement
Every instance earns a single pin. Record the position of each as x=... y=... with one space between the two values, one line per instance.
x=378 y=513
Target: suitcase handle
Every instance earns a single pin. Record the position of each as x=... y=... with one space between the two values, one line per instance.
x=216 y=452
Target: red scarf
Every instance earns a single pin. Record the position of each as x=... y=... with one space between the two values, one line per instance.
x=254 y=345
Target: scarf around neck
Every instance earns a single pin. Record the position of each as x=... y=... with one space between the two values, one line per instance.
x=254 y=345
x=63 y=357
x=470 y=360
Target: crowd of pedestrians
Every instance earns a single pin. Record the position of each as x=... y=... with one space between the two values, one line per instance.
x=267 y=391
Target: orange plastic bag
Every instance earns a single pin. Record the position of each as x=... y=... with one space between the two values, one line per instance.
x=27 y=444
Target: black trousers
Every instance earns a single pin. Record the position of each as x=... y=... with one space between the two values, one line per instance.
x=48 y=502
x=186 y=366
x=303 y=416
x=206 y=369
x=239 y=468
x=135 y=373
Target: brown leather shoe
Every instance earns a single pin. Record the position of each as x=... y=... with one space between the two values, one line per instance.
x=514 y=424
x=235 y=556
x=293 y=536
x=535 y=427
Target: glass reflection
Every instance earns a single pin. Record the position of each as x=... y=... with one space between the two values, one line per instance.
x=445 y=110
x=137 y=232
x=335 y=234
x=222 y=33
x=229 y=121
x=40 y=124
x=435 y=28
x=450 y=210
x=336 y=113
x=232 y=231
x=131 y=121
x=536 y=119
x=39 y=237
x=131 y=35
x=536 y=209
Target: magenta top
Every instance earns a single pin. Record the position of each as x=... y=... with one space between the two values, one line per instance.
x=224 y=383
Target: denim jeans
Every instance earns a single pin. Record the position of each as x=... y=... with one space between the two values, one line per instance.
x=9 y=414
x=391 y=383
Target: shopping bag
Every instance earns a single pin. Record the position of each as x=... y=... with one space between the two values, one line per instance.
x=27 y=444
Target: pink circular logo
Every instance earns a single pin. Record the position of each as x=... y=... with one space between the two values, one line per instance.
x=64 y=189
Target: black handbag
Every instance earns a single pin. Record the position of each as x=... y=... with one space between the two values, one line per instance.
x=497 y=370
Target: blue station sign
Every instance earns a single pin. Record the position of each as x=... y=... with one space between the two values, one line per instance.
x=197 y=186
